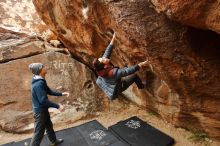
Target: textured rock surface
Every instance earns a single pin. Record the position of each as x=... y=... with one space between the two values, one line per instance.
x=183 y=81
x=203 y=14
x=20 y=16
x=64 y=74
x=16 y=45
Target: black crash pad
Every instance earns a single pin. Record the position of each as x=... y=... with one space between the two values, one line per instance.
x=136 y=132
x=119 y=143
x=8 y=144
x=89 y=134
x=25 y=142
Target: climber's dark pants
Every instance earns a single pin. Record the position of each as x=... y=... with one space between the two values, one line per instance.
x=41 y=122
x=130 y=80
x=126 y=82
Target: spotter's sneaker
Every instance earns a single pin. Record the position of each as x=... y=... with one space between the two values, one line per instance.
x=57 y=142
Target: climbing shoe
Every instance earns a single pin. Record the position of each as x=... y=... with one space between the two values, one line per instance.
x=57 y=142
x=140 y=86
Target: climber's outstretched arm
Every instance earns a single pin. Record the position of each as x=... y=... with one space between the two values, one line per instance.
x=108 y=50
x=123 y=72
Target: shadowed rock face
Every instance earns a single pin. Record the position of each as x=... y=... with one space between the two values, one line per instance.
x=200 y=14
x=183 y=77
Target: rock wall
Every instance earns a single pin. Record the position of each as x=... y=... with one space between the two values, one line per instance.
x=20 y=16
x=183 y=77
x=202 y=14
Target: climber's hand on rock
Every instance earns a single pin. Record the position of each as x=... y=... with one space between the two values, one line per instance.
x=143 y=64
x=66 y=94
x=113 y=38
x=114 y=35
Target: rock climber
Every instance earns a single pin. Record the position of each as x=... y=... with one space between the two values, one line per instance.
x=111 y=79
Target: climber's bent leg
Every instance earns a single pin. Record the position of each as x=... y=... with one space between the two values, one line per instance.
x=130 y=80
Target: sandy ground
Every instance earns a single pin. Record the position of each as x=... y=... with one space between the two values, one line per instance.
x=118 y=110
